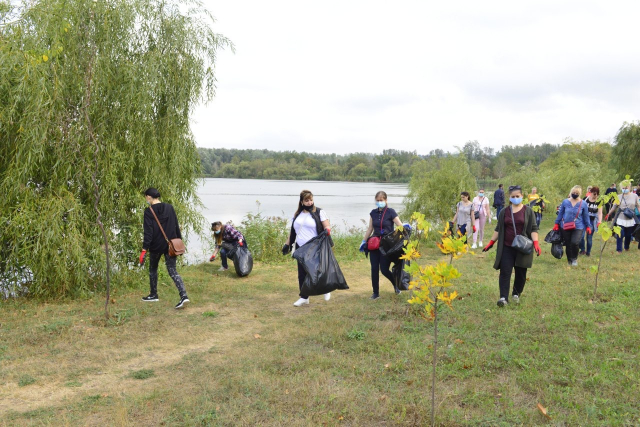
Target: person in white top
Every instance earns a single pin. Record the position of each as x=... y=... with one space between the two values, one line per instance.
x=624 y=211
x=481 y=212
x=307 y=223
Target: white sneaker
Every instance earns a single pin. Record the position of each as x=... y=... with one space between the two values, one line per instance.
x=327 y=297
x=474 y=246
x=301 y=302
x=223 y=269
x=515 y=298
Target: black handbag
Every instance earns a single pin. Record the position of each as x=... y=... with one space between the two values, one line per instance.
x=521 y=243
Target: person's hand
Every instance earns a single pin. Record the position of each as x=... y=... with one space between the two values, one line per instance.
x=143 y=256
x=474 y=228
x=286 y=249
x=328 y=231
x=363 y=245
x=489 y=246
x=213 y=258
x=536 y=246
x=240 y=242
x=598 y=226
x=407 y=227
x=556 y=227
x=588 y=230
x=606 y=217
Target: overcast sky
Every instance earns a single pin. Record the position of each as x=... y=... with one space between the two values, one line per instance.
x=347 y=76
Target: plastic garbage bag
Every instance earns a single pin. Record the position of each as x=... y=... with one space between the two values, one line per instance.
x=323 y=272
x=553 y=237
x=401 y=278
x=392 y=244
x=556 y=250
x=242 y=261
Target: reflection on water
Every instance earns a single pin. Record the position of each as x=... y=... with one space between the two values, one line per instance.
x=347 y=203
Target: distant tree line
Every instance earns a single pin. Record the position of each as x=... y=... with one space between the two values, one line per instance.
x=485 y=164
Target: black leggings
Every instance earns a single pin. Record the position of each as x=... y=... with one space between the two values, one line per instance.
x=170 y=261
x=379 y=264
x=507 y=265
x=572 y=240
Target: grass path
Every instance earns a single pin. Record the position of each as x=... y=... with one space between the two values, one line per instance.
x=241 y=354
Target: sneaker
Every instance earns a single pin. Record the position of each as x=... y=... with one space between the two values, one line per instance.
x=301 y=302
x=150 y=298
x=574 y=263
x=515 y=299
x=374 y=296
x=583 y=253
x=502 y=302
x=183 y=301
x=327 y=297
x=474 y=246
x=587 y=254
x=398 y=291
x=223 y=268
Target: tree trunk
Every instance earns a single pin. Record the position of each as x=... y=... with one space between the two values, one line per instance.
x=435 y=357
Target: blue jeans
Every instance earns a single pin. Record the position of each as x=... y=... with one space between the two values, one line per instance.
x=498 y=209
x=625 y=233
x=538 y=218
x=594 y=227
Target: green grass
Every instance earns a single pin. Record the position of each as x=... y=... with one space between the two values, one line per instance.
x=142 y=374
x=261 y=361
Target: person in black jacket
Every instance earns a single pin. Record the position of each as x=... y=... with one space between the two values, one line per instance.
x=498 y=200
x=156 y=245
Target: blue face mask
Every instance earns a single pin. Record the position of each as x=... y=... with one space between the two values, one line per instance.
x=625 y=190
x=516 y=200
x=480 y=194
x=381 y=204
x=217 y=231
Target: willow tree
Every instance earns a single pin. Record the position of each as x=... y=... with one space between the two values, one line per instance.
x=95 y=103
x=627 y=149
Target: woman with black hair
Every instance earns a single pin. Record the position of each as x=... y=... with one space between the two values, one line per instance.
x=225 y=237
x=462 y=218
x=517 y=219
x=308 y=222
x=155 y=243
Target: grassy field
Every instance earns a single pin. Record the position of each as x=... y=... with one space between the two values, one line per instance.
x=241 y=354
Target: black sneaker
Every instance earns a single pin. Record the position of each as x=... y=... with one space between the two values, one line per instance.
x=182 y=302
x=502 y=302
x=150 y=298
x=374 y=296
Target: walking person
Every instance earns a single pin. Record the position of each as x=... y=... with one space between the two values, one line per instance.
x=594 y=206
x=481 y=212
x=509 y=259
x=574 y=216
x=498 y=200
x=155 y=244
x=535 y=203
x=225 y=237
x=623 y=213
x=308 y=221
x=611 y=189
x=462 y=218
x=382 y=220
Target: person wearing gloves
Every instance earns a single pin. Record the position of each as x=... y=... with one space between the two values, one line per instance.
x=382 y=220
x=156 y=246
x=508 y=258
x=225 y=236
x=462 y=218
x=595 y=218
x=623 y=214
x=574 y=216
x=308 y=222
x=482 y=211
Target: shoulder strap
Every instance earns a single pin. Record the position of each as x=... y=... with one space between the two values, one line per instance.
x=382 y=219
x=579 y=209
x=159 y=225
x=513 y=221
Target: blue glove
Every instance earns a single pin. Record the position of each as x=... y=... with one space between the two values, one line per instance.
x=363 y=245
x=407 y=227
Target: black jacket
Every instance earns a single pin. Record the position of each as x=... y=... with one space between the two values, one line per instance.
x=153 y=238
x=498 y=197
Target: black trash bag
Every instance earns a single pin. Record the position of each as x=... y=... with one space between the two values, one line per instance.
x=636 y=233
x=242 y=261
x=392 y=244
x=553 y=237
x=323 y=272
x=401 y=278
x=556 y=250
x=231 y=248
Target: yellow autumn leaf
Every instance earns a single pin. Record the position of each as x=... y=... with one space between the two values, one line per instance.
x=45 y=58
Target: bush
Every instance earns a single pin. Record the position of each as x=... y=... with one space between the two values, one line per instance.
x=265 y=236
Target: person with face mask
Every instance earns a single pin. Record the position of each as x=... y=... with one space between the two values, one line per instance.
x=573 y=216
x=623 y=214
x=382 y=220
x=517 y=219
x=307 y=222
x=225 y=237
x=595 y=218
x=155 y=243
x=481 y=212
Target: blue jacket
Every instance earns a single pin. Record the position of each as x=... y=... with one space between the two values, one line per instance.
x=567 y=213
x=498 y=197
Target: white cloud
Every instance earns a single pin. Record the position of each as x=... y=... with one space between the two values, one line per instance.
x=368 y=75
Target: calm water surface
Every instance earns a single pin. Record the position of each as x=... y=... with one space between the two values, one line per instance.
x=347 y=203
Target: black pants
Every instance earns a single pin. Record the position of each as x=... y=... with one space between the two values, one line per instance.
x=170 y=261
x=507 y=265
x=379 y=264
x=572 y=240
x=625 y=236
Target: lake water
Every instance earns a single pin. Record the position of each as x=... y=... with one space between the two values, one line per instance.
x=347 y=203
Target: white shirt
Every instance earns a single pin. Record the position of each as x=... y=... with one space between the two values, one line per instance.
x=305 y=226
x=478 y=206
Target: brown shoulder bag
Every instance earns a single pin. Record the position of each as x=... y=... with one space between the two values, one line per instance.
x=176 y=246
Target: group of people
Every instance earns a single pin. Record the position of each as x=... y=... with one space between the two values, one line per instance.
x=515 y=235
